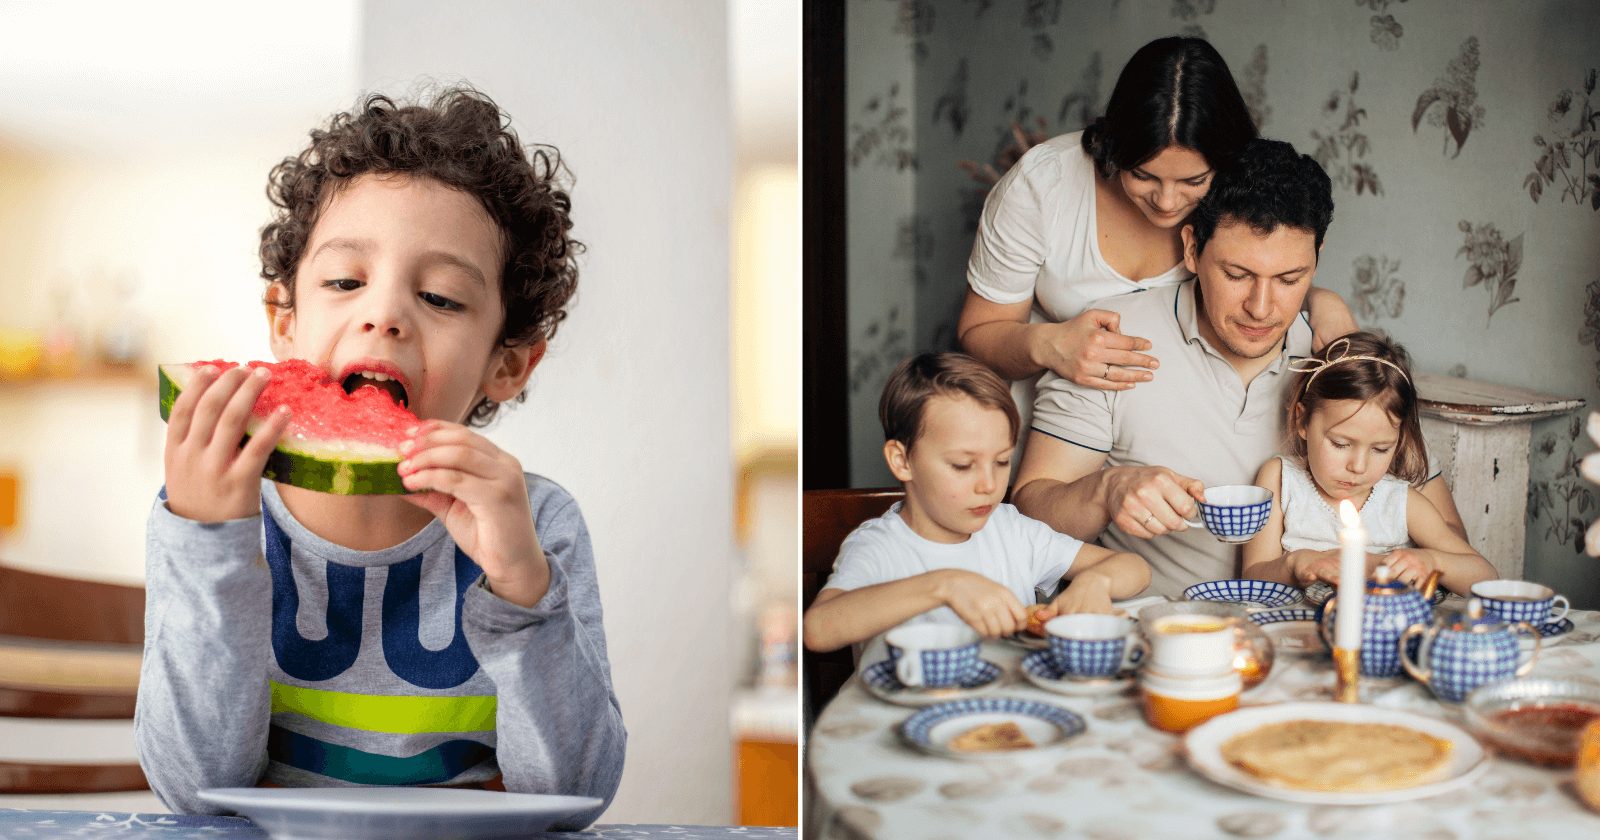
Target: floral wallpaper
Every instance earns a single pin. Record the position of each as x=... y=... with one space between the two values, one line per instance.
x=1463 y=141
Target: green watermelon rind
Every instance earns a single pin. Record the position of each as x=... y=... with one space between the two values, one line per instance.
x=287 y=465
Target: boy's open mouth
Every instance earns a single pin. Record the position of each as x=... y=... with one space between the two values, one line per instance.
x=381 y=381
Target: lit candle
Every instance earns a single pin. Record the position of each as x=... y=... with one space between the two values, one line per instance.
x=1352 y=578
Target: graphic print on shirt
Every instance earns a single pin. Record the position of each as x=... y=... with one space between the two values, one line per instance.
x=315 y=661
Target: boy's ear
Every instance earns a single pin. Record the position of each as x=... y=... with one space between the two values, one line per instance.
x=510 y=368
x=894 y=452
x=280 y=322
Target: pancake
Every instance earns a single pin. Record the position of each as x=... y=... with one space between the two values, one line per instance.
x=992 y=737
x=1330 y=755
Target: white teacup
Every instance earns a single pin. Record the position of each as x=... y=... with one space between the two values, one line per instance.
x=1520 y=600
x=932 y=655
x=1191 y=644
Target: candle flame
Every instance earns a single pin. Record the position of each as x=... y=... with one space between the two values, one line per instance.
x=1348 y=515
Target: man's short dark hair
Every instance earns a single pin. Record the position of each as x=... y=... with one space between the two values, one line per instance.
x=1267 y=186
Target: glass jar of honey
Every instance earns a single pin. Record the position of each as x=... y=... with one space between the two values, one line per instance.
x=1178 y=704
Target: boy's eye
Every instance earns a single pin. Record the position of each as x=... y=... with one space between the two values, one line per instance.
x=1339 y=445
x=439 y=301
x=343 y=284
x=961 y=467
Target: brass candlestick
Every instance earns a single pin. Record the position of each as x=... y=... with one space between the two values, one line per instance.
x=1347 y=666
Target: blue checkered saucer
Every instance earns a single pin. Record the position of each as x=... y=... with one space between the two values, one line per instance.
x=1320 y=591
x=1554 y=629
x=1255 y=594
x=1040 y=669
x=932 y=729
x=1293 y=630
x=881 y=683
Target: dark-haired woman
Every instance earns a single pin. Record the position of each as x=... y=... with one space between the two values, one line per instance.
x=1097 y=213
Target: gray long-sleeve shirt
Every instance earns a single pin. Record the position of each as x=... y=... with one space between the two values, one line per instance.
x=273 y=655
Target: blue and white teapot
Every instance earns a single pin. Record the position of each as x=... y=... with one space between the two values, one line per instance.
x=1466 y=649
x=1391 y=608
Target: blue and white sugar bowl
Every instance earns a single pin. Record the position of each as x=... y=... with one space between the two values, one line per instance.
x=1466 y=649
x=1391 y=608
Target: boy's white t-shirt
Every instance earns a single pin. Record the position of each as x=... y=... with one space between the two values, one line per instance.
x=1024 y=555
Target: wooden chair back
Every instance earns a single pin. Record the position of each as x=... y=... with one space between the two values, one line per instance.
x=827 y=517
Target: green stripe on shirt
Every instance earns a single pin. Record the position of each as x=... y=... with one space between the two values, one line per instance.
x=401 y=715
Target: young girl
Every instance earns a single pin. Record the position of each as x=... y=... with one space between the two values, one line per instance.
x=1354 y=435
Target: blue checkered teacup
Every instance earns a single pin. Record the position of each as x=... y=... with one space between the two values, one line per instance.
x=1519 y=600
x=932 y=655
x=1085 y=645
x=1233 y=513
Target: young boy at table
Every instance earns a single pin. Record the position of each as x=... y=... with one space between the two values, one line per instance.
x=952 y=552
x=448 y=637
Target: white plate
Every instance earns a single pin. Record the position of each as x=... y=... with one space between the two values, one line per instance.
x=932 y=729
x=1293 y=630
x=396 y=813
x=1041 y=670
x=1027 y=641
x=1204 y=747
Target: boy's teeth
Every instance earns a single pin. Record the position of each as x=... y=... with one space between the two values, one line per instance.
x=375 y=376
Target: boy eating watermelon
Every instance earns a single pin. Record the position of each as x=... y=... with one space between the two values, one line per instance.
x=451 y=636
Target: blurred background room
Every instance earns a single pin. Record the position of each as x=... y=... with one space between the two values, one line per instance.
x=135 y=142
x=1462 y=139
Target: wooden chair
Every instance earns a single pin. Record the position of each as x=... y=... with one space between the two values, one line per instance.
x=827 y=517
x=69 y=649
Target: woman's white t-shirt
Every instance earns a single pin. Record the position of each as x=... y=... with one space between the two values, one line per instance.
x=1038 y=240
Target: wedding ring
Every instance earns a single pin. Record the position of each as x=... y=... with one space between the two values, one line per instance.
x=1148 y=518
x=1108 y=371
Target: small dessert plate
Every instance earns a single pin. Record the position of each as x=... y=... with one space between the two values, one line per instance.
x=1554 y=629
x=1254 y=594
x=1293 y=630
x=1027 y=641
x=882 y=684
x=1041 y=670
x=932 y=729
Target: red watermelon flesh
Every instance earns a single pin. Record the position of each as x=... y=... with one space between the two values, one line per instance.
x=319 y=408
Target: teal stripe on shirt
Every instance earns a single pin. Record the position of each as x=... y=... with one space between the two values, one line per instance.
x=432 y=766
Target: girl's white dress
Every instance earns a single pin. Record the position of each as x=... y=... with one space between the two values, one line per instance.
x=1309 y=522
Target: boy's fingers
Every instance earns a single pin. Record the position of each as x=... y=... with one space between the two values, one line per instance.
x=460 y=457
x=236 y=412
x=182 y=415
x=437 y=504
x=256 y=450
x=210 y=405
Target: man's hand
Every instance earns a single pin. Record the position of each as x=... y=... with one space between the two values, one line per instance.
x=1148 y=502
x=209 y=476
x=1087 y=593
x=986 y=606
x=1088 y=350
x=477 y=490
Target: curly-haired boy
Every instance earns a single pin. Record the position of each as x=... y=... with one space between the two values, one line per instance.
x=448 y=637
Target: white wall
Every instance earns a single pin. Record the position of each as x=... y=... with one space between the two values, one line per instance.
x=630 y=409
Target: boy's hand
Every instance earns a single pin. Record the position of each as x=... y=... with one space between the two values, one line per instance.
x=210 y=477
x=477 y=490
x=1411 y=566
x=1087 y=593
x=986 y=606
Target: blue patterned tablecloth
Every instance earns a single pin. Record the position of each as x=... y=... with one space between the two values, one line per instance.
x=34 y=825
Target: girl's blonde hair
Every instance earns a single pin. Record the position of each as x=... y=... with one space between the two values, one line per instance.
x=1365 y=367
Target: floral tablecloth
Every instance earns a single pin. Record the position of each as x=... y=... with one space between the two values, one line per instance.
x=1123 y=780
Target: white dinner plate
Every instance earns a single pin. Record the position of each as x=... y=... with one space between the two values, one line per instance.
x=1203 y=744
x=396 y=813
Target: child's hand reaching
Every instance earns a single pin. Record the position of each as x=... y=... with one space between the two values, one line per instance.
x=1412 y=566
x=210 y=477
x=986 y=606
x=1087 y=593
x=477 y=490
x=1312 y=566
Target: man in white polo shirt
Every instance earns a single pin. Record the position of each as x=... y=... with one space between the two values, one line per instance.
x=1127 y=466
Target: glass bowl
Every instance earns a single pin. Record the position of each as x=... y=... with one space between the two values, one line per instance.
x=1533 y=720
x=1252 y=648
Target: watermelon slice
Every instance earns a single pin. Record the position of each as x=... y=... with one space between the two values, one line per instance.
x=335 y=443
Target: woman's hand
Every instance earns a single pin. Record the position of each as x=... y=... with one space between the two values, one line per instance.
x=1088 y=350
x=210 y=477
x=477 y=490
